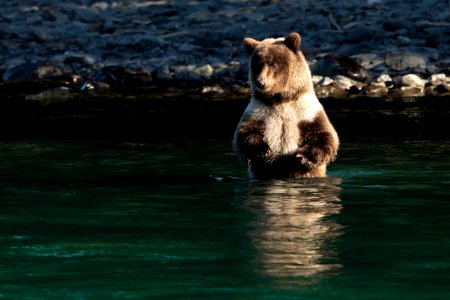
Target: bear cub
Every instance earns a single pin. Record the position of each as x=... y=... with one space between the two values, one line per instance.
x=284 y=132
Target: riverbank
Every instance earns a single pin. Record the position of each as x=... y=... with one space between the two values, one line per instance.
x=374 y=48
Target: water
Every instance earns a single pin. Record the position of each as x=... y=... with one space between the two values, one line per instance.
x=177 y=218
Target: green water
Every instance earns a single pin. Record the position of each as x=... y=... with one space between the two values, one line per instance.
x=178 y=219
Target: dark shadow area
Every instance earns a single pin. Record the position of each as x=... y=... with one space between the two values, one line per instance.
x=158 y=116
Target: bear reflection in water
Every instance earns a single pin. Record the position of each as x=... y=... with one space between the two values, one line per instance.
x=294 y=231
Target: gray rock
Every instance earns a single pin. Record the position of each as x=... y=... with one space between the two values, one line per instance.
x=376 y=91
x=25 y=71
x=56 y=95
x=335 y=64
x=368 y=60
x=402 y=61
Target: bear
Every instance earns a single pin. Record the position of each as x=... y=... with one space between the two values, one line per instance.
x=284 y=132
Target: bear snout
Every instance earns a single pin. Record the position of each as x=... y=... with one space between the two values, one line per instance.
x=260 y=84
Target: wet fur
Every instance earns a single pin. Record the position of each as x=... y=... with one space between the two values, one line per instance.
x=284 y=131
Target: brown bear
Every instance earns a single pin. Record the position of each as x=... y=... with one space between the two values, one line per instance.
x=284 y=132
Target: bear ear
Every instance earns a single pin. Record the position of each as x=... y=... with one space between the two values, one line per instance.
x=292 y=41
x=250 y=45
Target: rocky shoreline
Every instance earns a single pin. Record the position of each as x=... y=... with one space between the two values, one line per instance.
x=370 y=48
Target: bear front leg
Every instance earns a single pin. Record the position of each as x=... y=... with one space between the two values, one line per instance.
x=250 y=142
x=317 y=151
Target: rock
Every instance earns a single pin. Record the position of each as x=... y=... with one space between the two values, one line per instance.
x=56 y=95
x=214 y=89
x=337 y=92
x=431 y=90
x=355 y=90
x=25 y=71
x=335 y=64
x=323 y=91
x=368 y=60
x=326 y=80
x=100 y=5
x=437 y=79
x=443 y=88
x=376 y=91
x=83 y=14
x=412 y=80
x=384 y=78
x=79 y=58
x=31 y=72
x=117 y=77
x=401 y=61
x=48 y=71
x=192 y=73
x=403 y=40
x=316 y=79
x=321 y=80
x=343 y=82
x=140 y=42
x=408 y=91
x=205 y=70
x=186 y=47
x=362 y=33
x=431 y=69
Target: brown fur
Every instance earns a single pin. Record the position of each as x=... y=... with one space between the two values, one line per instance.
x=283 y=113
x=281 y=67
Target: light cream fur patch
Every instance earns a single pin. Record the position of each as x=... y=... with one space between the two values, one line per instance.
x=281 y=121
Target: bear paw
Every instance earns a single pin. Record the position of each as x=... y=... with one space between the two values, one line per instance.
x=305 y=162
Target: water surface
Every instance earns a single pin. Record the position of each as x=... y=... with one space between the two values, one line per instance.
x=179 y=219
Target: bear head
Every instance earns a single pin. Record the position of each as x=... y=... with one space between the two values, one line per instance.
x=278 y=71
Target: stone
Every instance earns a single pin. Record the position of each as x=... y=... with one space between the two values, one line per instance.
x=25 y=71
x=437 y=79
x=412 y=80
x=343 y=82
x=335 y=64
x=100 y=5
x=384 y=78
x=401 y=61
x=337 y=92
x=368 y=60
x=376 y=91
x=326 y=81
x=316 y=79
x=48 y=71
x=322 y=91
x=408 y=91
x=213 y=89
x=443 y=88
x=56 y=95
x=355 y=90
x=205 y=70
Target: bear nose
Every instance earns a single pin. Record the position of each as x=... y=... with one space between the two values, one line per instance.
x=260 y=84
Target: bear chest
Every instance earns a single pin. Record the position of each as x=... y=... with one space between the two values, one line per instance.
x=282 y=133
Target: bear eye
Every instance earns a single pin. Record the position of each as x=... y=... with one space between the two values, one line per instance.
x=272 y=66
